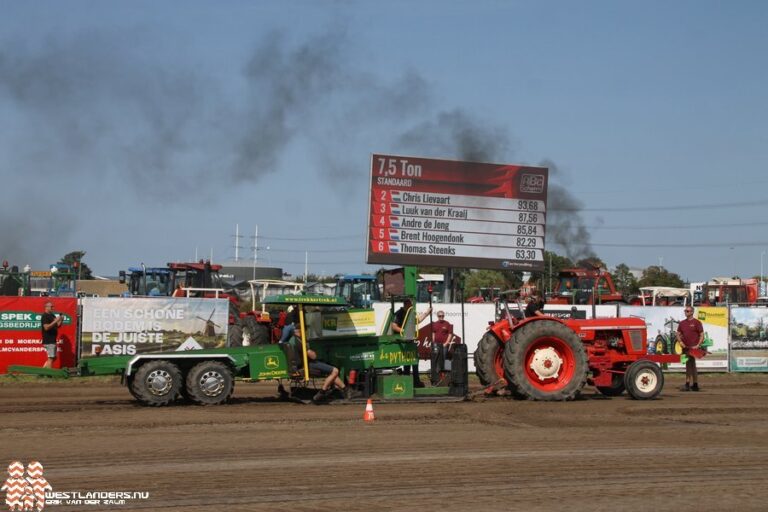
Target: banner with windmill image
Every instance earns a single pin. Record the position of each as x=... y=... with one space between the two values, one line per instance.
x=129 y=326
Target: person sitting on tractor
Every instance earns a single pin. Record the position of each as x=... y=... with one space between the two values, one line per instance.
x=317 y=368
x=179 y=291
x=535 y=306
x=405 y=323
x=331 y=374
x=291 y=321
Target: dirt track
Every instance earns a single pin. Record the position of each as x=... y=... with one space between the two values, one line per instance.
x=684 y=451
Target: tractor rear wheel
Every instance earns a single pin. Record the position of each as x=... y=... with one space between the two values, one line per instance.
x=489 y=363
x=661 y=345
x=210 y=383
x=644 y=380
x=259 y=333
x=156 y=383
x=235 y=336
x=545 y=360
x=616 y=388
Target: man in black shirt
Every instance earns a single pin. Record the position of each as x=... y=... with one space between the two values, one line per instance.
x=406 y=324
x=50 y=325
x=535 y=306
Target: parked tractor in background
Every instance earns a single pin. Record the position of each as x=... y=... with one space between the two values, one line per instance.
x=579 y=286
x=14 y=282
x=63 y=280
x=359 y=290
x=489 y=294
x=664 y=296
x=723 y=290
x=260 y=326
x=199 y=279
x=148 y=281
x=545 y=358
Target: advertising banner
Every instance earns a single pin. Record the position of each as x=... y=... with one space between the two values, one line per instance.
x=348 y=323
x=476 y=318
x=21 y=335
x=564 y=311
x=662 y=322
x=749 y=339
x=456 y=214
x=128 y=326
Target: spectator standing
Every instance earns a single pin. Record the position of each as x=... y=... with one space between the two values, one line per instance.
x=50 y=326
x=690 y=333
x=442 y=333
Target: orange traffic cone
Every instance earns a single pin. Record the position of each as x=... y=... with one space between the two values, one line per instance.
x=368 y=415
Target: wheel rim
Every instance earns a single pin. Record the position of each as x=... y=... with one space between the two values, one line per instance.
x=659 y=346
x=678 y=348
x=646 y=381
x=549 y=364
x=211 y=383
x=159 y=382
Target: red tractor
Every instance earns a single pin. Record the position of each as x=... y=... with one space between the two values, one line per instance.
x=587 y=286
x=544 y=358
x=723 y=290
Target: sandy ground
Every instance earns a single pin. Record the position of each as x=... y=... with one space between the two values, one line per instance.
x=683 y=451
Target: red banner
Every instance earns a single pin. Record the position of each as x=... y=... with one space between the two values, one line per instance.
x=21 y=336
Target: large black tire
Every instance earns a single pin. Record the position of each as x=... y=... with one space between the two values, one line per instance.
x=129 y=385
x=644 y=380
x=235 y=336
x=156 y=383
x=258 y=333
x=616 y=388
x=488 y=350
x=545 y=360
x=234 y=313
x=210 y=383
x=661 y=345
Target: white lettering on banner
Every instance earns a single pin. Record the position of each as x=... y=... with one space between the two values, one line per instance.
x=128 y=326
x=152 y=314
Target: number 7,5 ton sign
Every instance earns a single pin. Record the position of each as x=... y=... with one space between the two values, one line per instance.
x=456 y=214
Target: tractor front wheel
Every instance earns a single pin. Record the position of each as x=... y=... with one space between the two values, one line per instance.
x=210 y=383
x=616 y=388
x=644 y=380
x=545 y=360
x=156 y=383
x=489 y=364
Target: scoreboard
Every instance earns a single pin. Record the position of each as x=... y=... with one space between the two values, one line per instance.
x=456 y=214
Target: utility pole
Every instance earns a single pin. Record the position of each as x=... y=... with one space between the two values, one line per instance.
x=237 y=242
x=255 y=249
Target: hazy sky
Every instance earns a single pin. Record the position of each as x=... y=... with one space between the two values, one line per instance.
x=145 y=131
